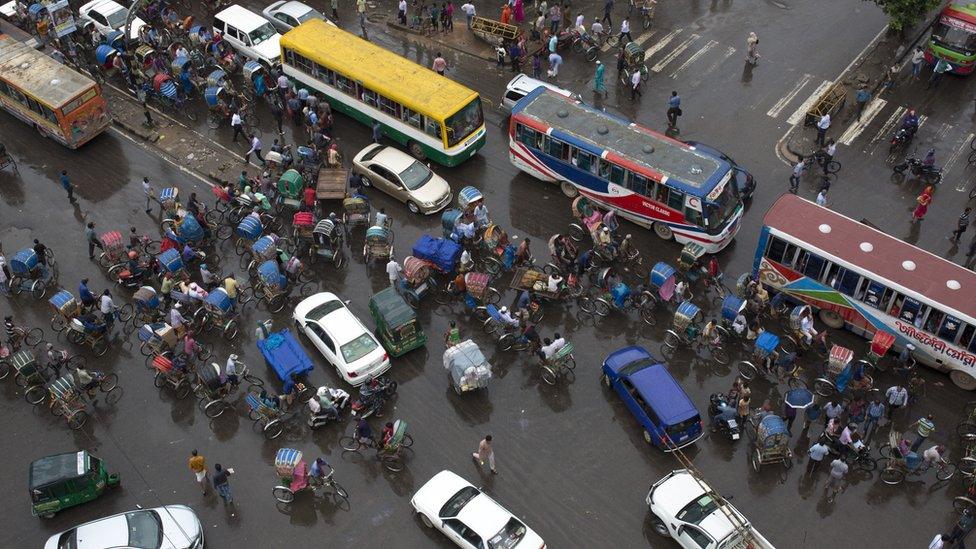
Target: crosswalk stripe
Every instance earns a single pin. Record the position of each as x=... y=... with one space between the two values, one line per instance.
x=783 y=101
x=889 y=125
x=801 y=112
x=955 y=156
x=961 y=185
x=696 y=56
x=870 y=111
x=659 y=66
x=640 y=40
x=921 y=120
x=661 y=43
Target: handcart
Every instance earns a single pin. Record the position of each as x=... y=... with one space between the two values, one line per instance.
x=468 y=368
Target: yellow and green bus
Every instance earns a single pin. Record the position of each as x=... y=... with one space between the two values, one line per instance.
x=432 y=116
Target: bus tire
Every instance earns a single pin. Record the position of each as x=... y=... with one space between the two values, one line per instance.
x=963 y=380
x=663 y=231
x=831 y=319
x=416 y=150
x=568 y=189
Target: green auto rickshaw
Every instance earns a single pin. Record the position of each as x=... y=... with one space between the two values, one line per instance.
x=396 y=323
x=290 y=188
x=65 y=480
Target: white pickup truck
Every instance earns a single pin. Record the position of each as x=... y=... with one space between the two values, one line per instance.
x=682 y=509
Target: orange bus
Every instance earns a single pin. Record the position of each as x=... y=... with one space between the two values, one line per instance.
x=58 y=101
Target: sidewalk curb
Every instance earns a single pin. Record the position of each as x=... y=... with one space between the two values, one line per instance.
x=390 y=23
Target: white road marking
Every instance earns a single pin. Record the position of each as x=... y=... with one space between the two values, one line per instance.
x=888 y=125
x=659 y=66
x=870 y=111
x=921 y=120
x=963 y=144
x=661 y=43
x=801 y=112
x=943 y=130
x=643 y=38
x=783 y=101
x=728 y=53
x=696 y=56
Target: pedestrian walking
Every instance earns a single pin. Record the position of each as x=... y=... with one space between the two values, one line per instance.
x=607 y=10
x=941 y=66
x=822 y=197
x=221 y=483
x=68 y=186
x=874 y=411
x=335 y=10
x=554 y=61
x=278 y=114
x=822 y=126
x=862 y=98
x=361 y=9
x=485 y=453
x=554 y=17
x=752 y=49
x=448 y=14
x=255 y=148
x=838 y=469
x=439 y=65
x=469 y=13
x=237 y=124
x=962 y=223
x=393 y=270
x=625 y=31
x=198 y=466
x=150 y=192
x=537 y=65
x=923 y=200
x=918 y=57
x=674 y=109
x=4 y=276
x=888 y=78
x=789 y=413
x=515 y=54
x=635 y=85
x=798 y=170
x=92 y=239
x=897 y=396
x=402 y=12
x=923 y=429
x=971 y=253
x=817 y=452
x=599 y=86
x=377 y=131
x=832 y=410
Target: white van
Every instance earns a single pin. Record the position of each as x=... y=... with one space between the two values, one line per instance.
x=250 y=34
x=523 y=84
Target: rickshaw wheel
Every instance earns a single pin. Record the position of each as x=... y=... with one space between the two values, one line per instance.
x=489 y=326
x=35 y=394
x=576 y=232
x=158 y=380
x=492 y=266
x=411 y=299
x=946 y=472
x=663 y=231
x=77 y=420
x=756 y=460
x=15 y=285
x=283 y=494
x=114 y=395
x=506 y=341
x=961 y=503
x=585 y=304
x=58 y=324
x=790 y=345
x=720 y=355
x=646 y=312
x=788 y=463
x=4 y=369
x=393 y=464
x=253 y=380
x=103 y=261
x=99 y=347
x=492 y=296
x=213 y=121
x=551 y=269
x=244 y=296
x=671 y=339
x=33 y=337
x=230 y=330
x=548 y=375
x=601 y=307
x=796 y=383
x=831 y=319
x=966 y=429
x=823 y=386
x=20 y=380
x=349 y=444
x=891 y=475
x=273 y=429
x=306 y=289
x=338 y=490
x=183 y=389
x=277 y=303
x=214 y=409
x=967 y=466
x=339 y=260
x=224 y=232
x=125 y=312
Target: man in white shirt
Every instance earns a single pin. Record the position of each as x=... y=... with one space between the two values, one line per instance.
x=230 y=370
x=635 y=82
x=822 y=127
x=507 y=318
x=554 y=281
x=176 y=319
x=579 y=23
x=625 y=31
x=402 y=12
x=107 y=307
x=393 y=270
x=596 y=29
x=798 y=170
x=822 y=197
x=469 y=13
x=255 y=148
x=237 y=124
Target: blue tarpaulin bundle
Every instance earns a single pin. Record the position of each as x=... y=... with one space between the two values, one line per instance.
x=442 y=252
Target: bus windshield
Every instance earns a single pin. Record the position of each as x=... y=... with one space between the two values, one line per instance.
x=464 y=122
x=954 y=37
x=717 y=211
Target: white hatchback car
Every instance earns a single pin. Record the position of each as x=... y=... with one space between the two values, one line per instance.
x=170 y=527
x=109 y=16
x=341 y=338
x=468 y=517
x=403 y=177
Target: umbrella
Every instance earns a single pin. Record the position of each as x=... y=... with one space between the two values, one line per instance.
x=799 y=399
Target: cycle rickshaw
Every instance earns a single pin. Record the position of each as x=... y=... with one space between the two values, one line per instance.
x=255 y=80
x=29 y=274
x=157 y=338
x=879 y=346
x=633 y=60
x=302 y=229
x=66 y=402
x=688 y=260
x=88 y=330
x=841 y=373
x=267 y=419
x=417 y=281
x=217 y=106
x=379 y=244
x=173 y=373
x=770 y=441
x=65 y=308
x=662 y=283
x=355 y=211
x=509 y=337
x=170 y=261
x=615 y=295
x=219 y=311
x=169 y=202
x=29 y=375
x=687 y=330
x=560 y=364
x=211 y=390
x=264 y=248
x=478 y=290
x=327 y=243
x=765 y=351
x=390 y=453
x=294 y=476
x=271 y=286
x=290 y=188
x=113 y=257
x=147 y=306
x=797 y=339
x=248 y=231
x=500 y=250
x=732 y=307
x=895 y=465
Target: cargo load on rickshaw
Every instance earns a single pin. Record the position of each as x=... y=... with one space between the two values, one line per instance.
x=468 y=367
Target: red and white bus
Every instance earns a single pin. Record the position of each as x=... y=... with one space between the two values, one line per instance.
x=688 y=192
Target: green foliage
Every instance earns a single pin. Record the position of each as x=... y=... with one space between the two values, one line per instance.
x=906 y=13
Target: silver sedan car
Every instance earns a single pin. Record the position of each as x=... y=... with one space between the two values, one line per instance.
x=403 y=177
x=288 y=14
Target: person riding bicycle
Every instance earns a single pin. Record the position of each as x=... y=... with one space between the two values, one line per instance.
x=363 y=431
x=320 y=471
x=452 y=336
x=785 y=362
x=190 y=345
x=86 y=381
x=713 y=270
x=710 y=334
x=505 y=316
x=523 y=254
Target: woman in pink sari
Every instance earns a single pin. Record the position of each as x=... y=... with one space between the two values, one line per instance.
x=519 y=12
x=923 y=200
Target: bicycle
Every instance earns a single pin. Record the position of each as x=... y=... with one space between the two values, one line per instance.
x=31 y=336
x=895 y=470
x=391 y=458
x=820 y=158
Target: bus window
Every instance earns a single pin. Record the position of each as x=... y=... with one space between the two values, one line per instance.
x=412 y=117
x=846 y=281
x=909 y=310
x=694 y=216
x=877 y=294
x=369 y=97
x=950 y=328
x=968 y=339
x=676 y=199
x=809 y=264
x=638 y=184
x=616 y=174
x=933 y=320
x=776 y=250
x=555 y=148
x=432 y=128
x=389 y=107
x=604 y=169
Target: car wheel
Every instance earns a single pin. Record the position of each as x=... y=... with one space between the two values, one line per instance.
x=659 y=528
x=367 y=182
x=414 y=209
x=606 y=380
x=426 y=520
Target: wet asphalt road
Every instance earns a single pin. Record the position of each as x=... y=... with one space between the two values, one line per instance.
x=572 y=460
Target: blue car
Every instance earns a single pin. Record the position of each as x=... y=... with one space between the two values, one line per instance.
x=669 y=418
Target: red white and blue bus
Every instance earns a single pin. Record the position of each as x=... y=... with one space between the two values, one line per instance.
x=866 y=280
x=683 y=192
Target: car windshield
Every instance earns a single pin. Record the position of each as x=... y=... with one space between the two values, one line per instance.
x=636 y=366
x=68 y=540
x=464 y=122
x=311 y=14
x=261 y=33
x=145 y=531
x=458 y=501
x=509 y=536
x=949 y=36
x=415 y=176
x=358 y=348
x=116 y=20
x=718 y=211
x=697 y=510
x=324 y=309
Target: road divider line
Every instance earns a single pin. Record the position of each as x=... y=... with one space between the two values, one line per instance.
x=801 y=112
x=674 y=53
x=696 y=56
x=888 y=125
x=867 y=115
x=790 y=95
x=661 y=43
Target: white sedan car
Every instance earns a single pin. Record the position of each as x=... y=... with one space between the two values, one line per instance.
x=470 y=518
x=288 y=14
x=403 y=177
x=170 y=527
x=109 y=16
x=341 y=338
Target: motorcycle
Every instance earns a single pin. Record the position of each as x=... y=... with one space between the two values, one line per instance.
x=373 y=395
x=928 y=174
x=729 y=427
x=901 y=139
x=340 y=399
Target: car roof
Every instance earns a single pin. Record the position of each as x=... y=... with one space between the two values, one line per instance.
x=663 y=393
x=526 y=83
x=622 y=357
x=110 y=531
x=294 y=8
x=58 y=468
x=342 y=325
x=105 y=7
x=681 y=489
x=484 y=515
x=394 y=159
x=241 y=18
